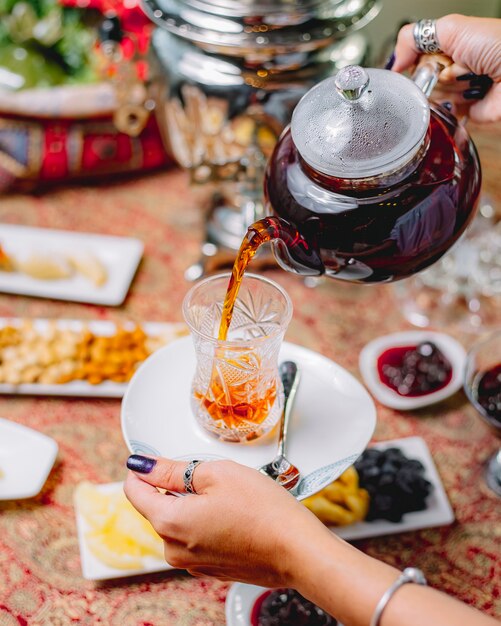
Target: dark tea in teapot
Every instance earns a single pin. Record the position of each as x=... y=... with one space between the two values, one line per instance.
x=384 y=233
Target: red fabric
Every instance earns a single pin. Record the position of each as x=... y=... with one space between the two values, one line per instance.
x=55 y=153
x=60 y=150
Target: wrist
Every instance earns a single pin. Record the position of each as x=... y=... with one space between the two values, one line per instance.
x=298 y=544
x=331 y=573
x=310 y=548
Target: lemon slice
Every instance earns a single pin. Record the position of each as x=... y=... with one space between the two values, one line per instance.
x=129 y=523
x=118 y=535
x=44 y=266
x=90 y=267
x=98 y=509
x=114 y=549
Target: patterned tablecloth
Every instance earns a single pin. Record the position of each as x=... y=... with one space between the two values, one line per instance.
x=40 y=576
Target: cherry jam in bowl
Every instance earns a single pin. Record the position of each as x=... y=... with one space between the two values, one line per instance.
x=412 y=369
x=286 y=607
x=250 y=605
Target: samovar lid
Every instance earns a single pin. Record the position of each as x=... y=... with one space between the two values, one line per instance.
x=237 y=27
x=252 y=8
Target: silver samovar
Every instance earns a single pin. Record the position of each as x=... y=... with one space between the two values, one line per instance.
x=226 y=76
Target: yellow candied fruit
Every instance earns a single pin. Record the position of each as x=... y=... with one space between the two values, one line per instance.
x=342 y=502
x=118 y=535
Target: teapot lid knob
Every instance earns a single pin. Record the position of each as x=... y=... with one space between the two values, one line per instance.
x=351 y=82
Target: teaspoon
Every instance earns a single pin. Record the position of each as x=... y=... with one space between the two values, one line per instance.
x=281 y=469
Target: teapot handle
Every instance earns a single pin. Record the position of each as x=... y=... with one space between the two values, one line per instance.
x=428 y=71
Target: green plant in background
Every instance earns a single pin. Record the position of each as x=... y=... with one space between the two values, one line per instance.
x=43 y=44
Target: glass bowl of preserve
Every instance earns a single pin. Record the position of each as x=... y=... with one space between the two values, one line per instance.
x=482 y=385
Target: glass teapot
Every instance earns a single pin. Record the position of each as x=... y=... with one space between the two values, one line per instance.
x=371 y=182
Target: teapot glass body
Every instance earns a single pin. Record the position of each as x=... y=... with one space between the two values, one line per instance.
x=379 y=229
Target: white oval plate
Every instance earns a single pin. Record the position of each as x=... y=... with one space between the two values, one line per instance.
x=239 y=602
x=332 y=422
x=451 y=349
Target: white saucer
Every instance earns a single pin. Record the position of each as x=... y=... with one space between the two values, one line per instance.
x=239 y=602
x=26 y=458
x=333 y=419
x=451 y=349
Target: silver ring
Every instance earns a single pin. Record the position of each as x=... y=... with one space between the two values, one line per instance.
x=188 y=476
x=425 y=36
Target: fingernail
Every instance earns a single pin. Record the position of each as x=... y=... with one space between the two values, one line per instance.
x=141 y=464
x=468 y=76
x=447 y=105
x=389 y=63
x=481 y=82
x=474 y=94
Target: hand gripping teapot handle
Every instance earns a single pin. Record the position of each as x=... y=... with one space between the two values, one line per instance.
x=428 y=71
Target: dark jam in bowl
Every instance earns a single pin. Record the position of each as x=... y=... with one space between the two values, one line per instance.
x=487 y=391
x=414 y=371
x=286 y=607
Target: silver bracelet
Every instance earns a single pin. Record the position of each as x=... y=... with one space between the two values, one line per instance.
x=409 y=575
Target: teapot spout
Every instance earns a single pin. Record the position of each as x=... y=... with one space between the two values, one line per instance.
x=291 y=250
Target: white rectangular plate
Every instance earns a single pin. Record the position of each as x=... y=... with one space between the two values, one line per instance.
x=437 y=513
x=106 y=389
x=119 y=255
x=26 y=458
x=92 y=568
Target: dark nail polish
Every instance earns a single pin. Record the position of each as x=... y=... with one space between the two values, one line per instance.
x=474 y=94
x=481 y=82
x=447 y=105
x=485 y=82
x=141 y=464
x=468 y=76
x=389 y=63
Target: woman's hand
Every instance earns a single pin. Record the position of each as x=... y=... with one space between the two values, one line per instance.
x=240 y=525
x=474 y=45
x=243 y=526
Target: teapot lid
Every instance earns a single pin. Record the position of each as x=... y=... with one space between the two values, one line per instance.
x=360 y=123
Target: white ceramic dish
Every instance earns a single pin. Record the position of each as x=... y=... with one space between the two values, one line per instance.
x=437 y=513
x=239 y=602
x=92 y=568
x=333 y=419
x=369 y=355
x=106 y=389
x=26 y=458
x=119 y=255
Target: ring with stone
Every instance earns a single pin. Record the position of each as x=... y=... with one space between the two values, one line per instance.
x=425 y=36
x=188 y=476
